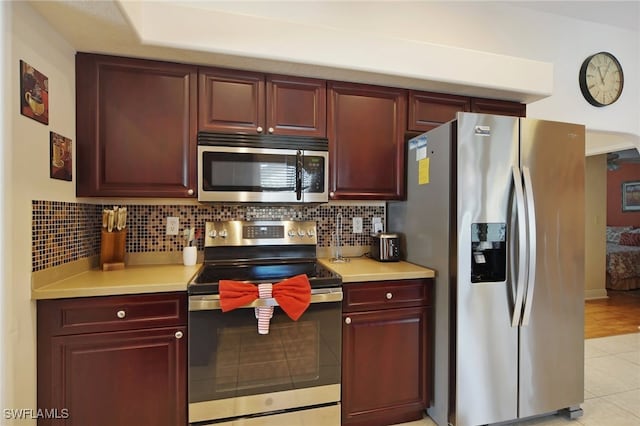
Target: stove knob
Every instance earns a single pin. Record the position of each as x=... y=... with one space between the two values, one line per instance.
x=212 y=233
x=300 y=233
x=310 y=232
x=223 y=233
x=291 y=233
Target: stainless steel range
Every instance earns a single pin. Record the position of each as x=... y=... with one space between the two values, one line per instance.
x=290 y=375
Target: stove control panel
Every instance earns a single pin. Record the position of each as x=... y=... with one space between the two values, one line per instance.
x=256 y=233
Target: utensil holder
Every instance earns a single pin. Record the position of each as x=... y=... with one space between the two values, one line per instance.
x=189 y=255
x=112 y=250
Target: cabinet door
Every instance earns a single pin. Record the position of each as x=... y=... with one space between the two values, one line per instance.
x=135 y=127
x=231 y=101
x=429 y=110
x=366 y=141
x=384 y=366
x=296 y=106
x=117 y=378
x=493 y=106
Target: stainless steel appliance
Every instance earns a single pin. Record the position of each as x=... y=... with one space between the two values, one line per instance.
x=262 y=168
x=385 y=247
x=496 y=205
x=290 y=375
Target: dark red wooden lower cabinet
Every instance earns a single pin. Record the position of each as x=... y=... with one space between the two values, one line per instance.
x=112 y=378
x=386 y=364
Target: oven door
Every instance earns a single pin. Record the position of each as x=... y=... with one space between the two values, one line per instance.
x=247 y=174
x=234 y=371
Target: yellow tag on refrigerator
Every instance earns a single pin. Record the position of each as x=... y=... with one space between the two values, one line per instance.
x=423 y=171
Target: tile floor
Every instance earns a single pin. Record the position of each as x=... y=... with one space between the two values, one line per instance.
x=611 y=385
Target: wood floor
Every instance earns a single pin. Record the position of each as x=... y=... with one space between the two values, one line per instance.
x=619 y=314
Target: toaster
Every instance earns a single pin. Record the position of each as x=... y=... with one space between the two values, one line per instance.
x=385 y=247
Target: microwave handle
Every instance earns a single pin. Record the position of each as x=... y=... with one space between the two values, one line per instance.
x=299 y=166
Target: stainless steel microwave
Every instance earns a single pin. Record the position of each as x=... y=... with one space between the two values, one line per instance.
x=262 y=171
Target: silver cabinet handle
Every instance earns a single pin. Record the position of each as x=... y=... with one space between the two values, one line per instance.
x=190 y=191
x=347 y=320
x=179 y=334
x=389 y=296
x=259 y=129
x=121 y=314
x=270 y=129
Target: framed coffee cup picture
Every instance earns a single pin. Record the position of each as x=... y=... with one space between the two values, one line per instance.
x=60 y=163
x=34 y=93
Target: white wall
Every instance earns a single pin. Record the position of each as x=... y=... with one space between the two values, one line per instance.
x=595 y=227
x=26 y=157
x=4 y=201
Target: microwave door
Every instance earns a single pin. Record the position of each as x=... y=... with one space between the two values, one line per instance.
x=241 y=174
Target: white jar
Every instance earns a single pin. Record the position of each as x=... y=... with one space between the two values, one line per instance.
x=189 y=255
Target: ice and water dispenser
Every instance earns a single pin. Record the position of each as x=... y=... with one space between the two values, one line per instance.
x=488 y=252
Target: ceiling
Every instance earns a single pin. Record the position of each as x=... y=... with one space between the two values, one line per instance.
x=621 y=14
x=71 y=17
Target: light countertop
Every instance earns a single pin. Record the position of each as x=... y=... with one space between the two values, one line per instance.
x=130 y=280
x=364 y=269
x=135 y=279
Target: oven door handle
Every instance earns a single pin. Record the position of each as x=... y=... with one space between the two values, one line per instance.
x=211 y=302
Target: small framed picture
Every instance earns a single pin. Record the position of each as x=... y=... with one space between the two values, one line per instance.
x=60 y=164
x=631 y=196
x=34 y=93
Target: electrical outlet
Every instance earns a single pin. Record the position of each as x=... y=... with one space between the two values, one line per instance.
x=173 y=224
x=357 y=225
x=376 y=224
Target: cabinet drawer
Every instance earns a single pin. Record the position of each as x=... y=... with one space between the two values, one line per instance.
x=111 y=313
x=387 y=294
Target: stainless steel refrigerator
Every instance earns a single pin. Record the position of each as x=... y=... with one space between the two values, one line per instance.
x=495 y=205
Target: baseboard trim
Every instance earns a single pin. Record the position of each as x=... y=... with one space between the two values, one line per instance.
x=600 y=293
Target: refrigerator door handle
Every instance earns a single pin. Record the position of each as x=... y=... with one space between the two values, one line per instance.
x=522 y=246
x=531 y=221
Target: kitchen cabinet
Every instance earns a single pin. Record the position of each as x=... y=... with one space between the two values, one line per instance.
x=429 y=110
x=498 y=107
x=386 y=351
x=114 y=360
x=251 y=103
x=136 y=127
x=365 y=127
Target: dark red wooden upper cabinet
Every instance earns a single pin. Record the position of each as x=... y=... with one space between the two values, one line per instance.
x=366 y=128
x=135 y=127
x=498 y=107
x=251 y=103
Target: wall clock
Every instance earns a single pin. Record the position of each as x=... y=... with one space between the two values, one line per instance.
x=601 y=79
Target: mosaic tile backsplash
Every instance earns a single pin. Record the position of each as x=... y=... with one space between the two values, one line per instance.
x=63 y=232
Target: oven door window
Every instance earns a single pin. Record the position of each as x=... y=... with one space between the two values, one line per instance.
x=248 y=172
x=228 y=358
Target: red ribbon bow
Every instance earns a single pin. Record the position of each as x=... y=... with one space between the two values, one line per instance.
x=293 y=295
